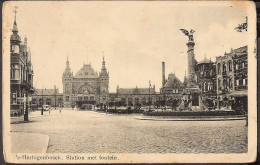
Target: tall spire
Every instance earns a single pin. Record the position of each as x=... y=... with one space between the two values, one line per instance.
x=104 y=69
x=103 y=62
x=67 y=62
x=15 y=29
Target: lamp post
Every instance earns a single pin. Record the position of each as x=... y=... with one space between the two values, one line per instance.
x=26 y=113
x=26 y=118
x=42 y=101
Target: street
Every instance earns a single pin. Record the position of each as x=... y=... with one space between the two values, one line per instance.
x=92 y=132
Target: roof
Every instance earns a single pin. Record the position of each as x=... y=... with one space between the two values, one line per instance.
x=205 y=61
x=86 y=72
x=46 y=91
x=172 y=80
x=239 y=51
x=135 y=90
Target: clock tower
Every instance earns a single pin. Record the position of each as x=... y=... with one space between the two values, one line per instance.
x=104 y=82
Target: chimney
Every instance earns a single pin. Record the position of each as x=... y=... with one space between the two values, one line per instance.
x=163 y=73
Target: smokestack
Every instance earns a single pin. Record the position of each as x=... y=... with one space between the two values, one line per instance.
x=163 y=73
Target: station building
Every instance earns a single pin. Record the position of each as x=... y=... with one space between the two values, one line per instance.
x=86 y=87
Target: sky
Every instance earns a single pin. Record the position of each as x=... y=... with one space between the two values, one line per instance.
x=134 y=37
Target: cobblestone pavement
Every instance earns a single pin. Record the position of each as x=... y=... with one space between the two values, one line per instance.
x=93 y=132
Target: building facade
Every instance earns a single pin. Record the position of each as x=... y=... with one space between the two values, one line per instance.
x=134 y=96
x=21 y=73
x=50 y=97
x=232 y=79
x=86 y=87
x=206 y=80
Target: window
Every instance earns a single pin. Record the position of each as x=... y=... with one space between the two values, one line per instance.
x=244 y=81
x=211 y=73
x=218 y=68
x=86 y=98
x=175 y=91
x=12 y=75
x=91 y=98
x=237 y=83
x=230 y=82
x=237 y=66
x=229 y=65
x=40 y=102
x=66 y=88
x=67 y=98
x=12 y=48
x=224 y=67
x=79 y=98
x=219 y=84
x=14 y=98
x=16 y=48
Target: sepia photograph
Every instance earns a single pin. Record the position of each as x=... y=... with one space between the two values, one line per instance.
x=129 y=82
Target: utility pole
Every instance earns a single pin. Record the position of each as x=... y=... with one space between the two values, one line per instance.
x=149 y=102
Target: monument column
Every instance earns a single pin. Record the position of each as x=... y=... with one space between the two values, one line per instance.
x=191 y=63
x=191 y=58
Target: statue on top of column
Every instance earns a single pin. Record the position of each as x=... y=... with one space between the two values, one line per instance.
x=189 y=34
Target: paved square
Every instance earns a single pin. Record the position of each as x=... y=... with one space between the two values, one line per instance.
x=93 y=132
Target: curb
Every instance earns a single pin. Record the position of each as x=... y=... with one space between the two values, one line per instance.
x=194 y=119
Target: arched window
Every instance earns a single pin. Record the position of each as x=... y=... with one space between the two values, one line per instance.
x=229 y=66
x=224 y=67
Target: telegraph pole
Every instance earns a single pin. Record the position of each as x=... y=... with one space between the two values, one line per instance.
x=149 y=96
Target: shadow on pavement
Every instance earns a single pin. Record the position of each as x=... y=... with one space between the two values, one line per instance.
x=21 y=122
